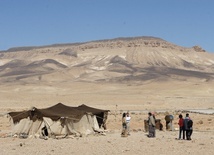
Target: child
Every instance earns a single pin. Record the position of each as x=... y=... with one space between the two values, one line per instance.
x=181 y=126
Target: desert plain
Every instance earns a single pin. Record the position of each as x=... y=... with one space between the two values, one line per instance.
x=118 y=98
x=138 y=75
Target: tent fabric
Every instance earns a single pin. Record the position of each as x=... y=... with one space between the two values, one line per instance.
x=61 y=110
x=100 y=114
x=94 y=111
x=59 y=120
x=17 y=116
x=55 y=112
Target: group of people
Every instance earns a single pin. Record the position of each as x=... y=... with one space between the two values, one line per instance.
x=185 y=127
x=126 y=124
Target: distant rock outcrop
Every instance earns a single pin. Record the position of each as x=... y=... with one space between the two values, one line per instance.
x=68 y=52
x=198 y=49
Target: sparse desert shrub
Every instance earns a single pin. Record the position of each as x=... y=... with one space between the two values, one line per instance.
x=200 y=122
x=134 y=130
x=133 y=113
x=166 y=113
x=139 y=119
x=176 y=113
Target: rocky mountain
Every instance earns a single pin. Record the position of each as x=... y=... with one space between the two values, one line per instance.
x=135 y=60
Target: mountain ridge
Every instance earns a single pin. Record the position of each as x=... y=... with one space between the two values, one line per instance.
x=28 y=48
x=125 y=59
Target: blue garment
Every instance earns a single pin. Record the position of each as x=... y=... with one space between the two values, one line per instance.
x=188 y=128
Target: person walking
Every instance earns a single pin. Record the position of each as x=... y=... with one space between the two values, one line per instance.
x=151 y=122
x=181 y=126
x=128 y=119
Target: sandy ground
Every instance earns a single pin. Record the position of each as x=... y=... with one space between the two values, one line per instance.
x=138 y=99
x=112 y=143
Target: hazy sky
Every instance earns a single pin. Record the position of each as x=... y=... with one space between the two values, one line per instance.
x=44 y=22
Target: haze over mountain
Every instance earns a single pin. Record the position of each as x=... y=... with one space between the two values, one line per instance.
x=135 y=60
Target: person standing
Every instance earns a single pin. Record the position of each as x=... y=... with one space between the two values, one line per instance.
x=188 y=123
x=181 y=126
x=124 y=126
x=128 y=119
x=151 y=122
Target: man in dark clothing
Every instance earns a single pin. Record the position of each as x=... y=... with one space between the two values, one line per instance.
x=188 y=123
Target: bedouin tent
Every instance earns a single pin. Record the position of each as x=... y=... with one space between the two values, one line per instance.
x=100 y=114
x=58 y=120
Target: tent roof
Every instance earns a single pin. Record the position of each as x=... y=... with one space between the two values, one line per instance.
x=61 y=110
x=94 y=111
x=17 y=116
x=54 y=112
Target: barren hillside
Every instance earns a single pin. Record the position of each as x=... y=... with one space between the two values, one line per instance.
x=123 y=59
x=139 y=71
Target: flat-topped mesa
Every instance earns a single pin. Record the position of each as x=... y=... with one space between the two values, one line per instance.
x=144 y=41
x=129 y=42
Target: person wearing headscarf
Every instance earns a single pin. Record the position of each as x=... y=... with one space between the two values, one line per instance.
x=151 y=121
x=128 y=119
x=124 y=126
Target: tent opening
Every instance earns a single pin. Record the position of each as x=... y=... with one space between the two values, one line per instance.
x=44 y=131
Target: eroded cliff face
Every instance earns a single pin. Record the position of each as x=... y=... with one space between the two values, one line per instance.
x=137 y=59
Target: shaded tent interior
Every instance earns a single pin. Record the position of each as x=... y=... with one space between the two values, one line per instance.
x=80 y=119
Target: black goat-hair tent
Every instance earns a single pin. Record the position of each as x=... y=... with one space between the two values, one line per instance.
x=60 y=118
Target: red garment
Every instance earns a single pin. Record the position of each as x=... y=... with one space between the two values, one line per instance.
x=181 y=122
